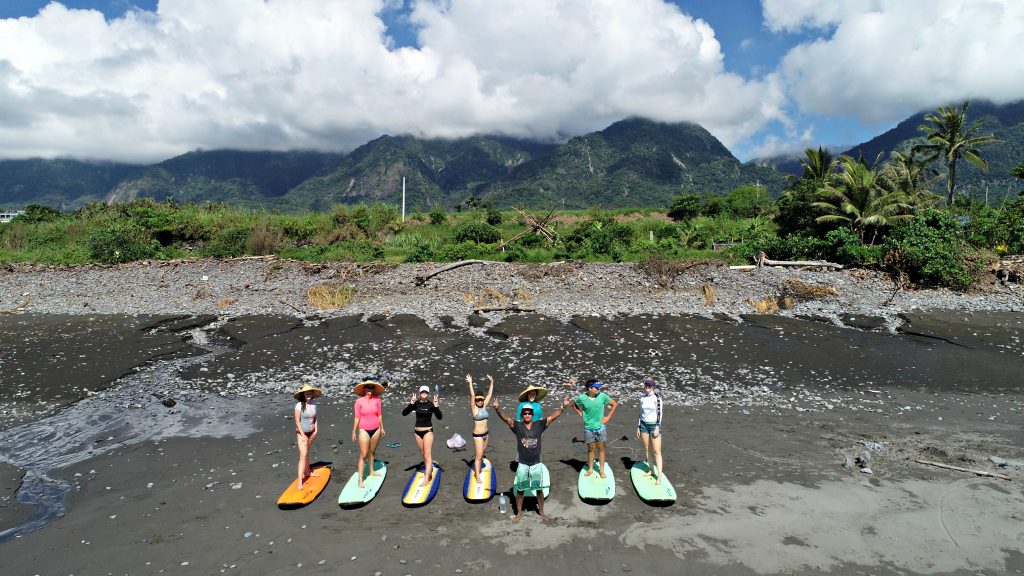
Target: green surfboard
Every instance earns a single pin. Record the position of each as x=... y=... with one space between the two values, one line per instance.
x=646 y=488
x=353 y=495
x=594 y=487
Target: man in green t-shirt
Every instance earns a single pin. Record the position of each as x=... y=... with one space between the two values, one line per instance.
x=591 y=406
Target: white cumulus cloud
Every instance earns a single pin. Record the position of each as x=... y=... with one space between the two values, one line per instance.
x=884 y=59
x=280 y=74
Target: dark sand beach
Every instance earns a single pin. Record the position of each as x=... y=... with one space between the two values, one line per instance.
x=163 y=446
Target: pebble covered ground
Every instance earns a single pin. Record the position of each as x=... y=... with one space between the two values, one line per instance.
x=561 y=290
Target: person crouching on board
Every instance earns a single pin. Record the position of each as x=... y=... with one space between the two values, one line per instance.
x=305 y=428
x=368 y=427
x=591 y=406
x=529 y=472
x=531 y=396
x=648 y=428
x=478 y=407
x=424 y=429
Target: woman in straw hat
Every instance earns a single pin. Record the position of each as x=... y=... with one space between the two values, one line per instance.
x=305 y=427
x=531 y=396
x=368 y=427
x=478 y=406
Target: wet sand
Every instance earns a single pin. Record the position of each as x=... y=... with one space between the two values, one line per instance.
x=762 y=413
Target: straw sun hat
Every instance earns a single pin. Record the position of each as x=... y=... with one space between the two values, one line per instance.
x=541 y=392
x=360 y=389
x=307 y=388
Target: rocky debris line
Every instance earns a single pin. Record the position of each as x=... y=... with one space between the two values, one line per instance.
x=562 y=290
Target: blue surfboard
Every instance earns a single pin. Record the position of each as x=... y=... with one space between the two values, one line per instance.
x=415 y=493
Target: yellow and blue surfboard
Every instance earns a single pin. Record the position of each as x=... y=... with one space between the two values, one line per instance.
x=474 y=491
x=415 y=493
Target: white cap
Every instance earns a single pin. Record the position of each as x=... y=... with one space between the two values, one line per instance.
x=424 y=388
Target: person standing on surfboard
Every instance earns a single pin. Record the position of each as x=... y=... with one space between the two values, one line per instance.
x=531 y=397
x=305 y=427
x=648 y=427
x=424 y=429
x=368 y=427
x=478 y=407
x=591 y=406
x=530 y=470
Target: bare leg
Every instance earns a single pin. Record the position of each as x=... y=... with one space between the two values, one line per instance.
x=590 y=459
x=364 y=449
x=428 y=462
x=374 y=440
x=600 y=458
x=300 y=441
x=480 y=444
x=647 y=451
x=540 y=505
x=657 y=458
x=519 y=506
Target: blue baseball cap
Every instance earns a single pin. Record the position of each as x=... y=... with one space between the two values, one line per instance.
x=594 y=385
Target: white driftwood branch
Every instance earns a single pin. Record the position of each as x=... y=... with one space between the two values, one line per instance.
x=959 y=469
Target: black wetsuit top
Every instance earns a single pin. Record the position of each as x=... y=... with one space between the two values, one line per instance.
x=424 y=410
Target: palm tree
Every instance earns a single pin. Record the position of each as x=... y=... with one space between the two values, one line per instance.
x=857 y=199
x=818 y=165
x=949 y=137
x=907 y=174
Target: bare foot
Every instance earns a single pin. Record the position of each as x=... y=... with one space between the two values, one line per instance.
x=588 y=472
x=517 y=518
x=299 y=487
x=479 y=479
x=658 y=481
x=602 y=475
x=426 y=481
x=375 y=473
x=361 y=485
x=315 y=475
x=543 y=517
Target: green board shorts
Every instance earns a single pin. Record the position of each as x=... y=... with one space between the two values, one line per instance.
x=530 y=477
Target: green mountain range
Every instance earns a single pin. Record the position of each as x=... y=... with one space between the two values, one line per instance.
x=632 y=163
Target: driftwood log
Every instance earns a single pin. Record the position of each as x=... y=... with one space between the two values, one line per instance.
x=959 y=469
x=422 y=279
x=762 y=260
x=509 y=308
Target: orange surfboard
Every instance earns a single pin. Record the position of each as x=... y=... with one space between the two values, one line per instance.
x=311 y=488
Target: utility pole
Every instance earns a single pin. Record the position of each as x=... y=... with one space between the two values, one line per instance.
x=403 y=199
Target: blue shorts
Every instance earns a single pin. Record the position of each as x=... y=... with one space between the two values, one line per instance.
x=599 y=435
x=646 y=428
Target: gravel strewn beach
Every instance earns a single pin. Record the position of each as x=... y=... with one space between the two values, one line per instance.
x=145 y=417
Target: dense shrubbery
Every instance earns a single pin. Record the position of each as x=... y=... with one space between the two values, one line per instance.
x=929 y=249
x=478 y=232
x=121 y=243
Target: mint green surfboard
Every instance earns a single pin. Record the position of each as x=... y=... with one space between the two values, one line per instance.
x=646 y=488
x=353 y=495
x=594 y=487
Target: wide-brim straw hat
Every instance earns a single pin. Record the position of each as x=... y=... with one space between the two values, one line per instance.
x=541 y=392
x=307 y=388
x=360 y=389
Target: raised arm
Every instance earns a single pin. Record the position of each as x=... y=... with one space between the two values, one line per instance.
x=554 y=415
x=490 y=390
x=472 y=395
x=504 y=417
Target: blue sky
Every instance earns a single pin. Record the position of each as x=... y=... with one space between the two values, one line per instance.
x=766 y=76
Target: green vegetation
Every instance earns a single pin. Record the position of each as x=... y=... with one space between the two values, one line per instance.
x=879 y=215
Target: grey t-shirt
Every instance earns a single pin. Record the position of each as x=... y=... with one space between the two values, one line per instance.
x=528 y=441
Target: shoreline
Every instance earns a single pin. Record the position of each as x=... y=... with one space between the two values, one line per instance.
x=761 y=412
